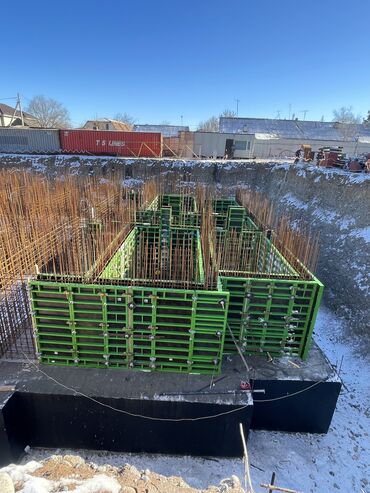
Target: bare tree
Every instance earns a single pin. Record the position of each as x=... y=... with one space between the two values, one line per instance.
x=213 y=123
x=347 y=122
x=228 y=113
x=210 y=125
x=367 y=119
x=49 y=113
x=125 y=118
x=345 y=115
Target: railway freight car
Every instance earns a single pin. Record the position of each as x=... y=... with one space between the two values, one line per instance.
x=29 y=140
x=114 y=143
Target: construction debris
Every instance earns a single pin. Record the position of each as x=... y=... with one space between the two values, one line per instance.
x=72 y=473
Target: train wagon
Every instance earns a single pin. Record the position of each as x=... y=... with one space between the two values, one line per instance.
x=112 y=143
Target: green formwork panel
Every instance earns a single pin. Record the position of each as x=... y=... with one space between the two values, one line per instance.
x=274 y=316
x=125 y=321
x=119 y=266
x=183 y=211
x=185 y=219
x=221 y=205
x=228 y=215
x=139 y=328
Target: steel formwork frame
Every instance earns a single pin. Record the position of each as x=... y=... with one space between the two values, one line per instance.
x=272 y=314
x=275 y=316
x=164 y=324
x=145 y=328
x=184 y=211
x=122 y=265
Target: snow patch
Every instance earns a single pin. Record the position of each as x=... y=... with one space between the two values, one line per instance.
x=132 y=182
x=324 y=215
x=37 y=485
x=362 y=233
x=292 y=200
x=99 y=484
x=284 y=166
x=19 y=473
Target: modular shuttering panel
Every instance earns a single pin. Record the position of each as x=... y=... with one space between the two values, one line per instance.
x=136 y=327
x=125 y=321
x=271 y=308
x=149 y=316
x=274 y=316
x=183 y=211
x=29 y=140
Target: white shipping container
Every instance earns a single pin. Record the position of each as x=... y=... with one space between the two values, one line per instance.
x=217 y=145
x=28 y=140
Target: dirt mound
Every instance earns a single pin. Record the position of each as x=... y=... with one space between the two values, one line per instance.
x=71 y=473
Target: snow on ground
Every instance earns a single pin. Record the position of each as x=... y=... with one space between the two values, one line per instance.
x=338 y=461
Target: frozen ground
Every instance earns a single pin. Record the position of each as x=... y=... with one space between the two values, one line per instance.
x=338 y=461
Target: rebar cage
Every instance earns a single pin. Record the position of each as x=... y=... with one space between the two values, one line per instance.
x=187 y=282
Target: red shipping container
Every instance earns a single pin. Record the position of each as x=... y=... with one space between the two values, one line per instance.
x=112 y=143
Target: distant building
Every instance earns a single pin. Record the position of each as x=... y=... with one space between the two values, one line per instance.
x=165 y=130
x=281 y=138
x=107 y=124
x=10 y=117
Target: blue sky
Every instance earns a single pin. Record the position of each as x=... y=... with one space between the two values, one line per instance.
x=158 y=60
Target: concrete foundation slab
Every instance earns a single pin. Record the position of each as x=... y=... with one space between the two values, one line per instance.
x=184 y=414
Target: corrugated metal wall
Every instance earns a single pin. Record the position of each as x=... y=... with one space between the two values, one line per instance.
x=29 y=140
x=128 y=144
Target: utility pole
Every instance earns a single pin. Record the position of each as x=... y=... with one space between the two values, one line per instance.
x=290 y=110
x=182 y=118
x=304 y=113
x=278 y=115
x=18 y=107
x=237 y=106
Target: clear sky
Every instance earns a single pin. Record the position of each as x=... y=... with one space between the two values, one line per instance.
x=160 y=59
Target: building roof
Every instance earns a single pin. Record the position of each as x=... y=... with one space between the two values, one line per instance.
x=5 y=109
x=294 y=129
x=116 y=124
x=165 y=130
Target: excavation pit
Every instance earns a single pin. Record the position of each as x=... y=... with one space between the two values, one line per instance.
x=145 y=308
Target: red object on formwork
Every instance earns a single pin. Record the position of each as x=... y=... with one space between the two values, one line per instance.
x=112 y=143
